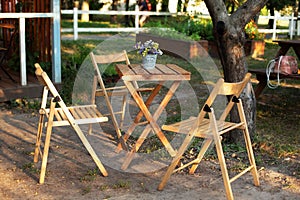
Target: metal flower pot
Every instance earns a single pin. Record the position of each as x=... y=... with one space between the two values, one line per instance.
x=149 y=61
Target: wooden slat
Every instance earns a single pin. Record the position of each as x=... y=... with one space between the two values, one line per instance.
x=73 y=112
x=179 y=70
x=112 y=58
x=96 y=111
x=100 y=93
x=138 y=69
x=57 y=115
x=91 y=112
x=154 y=71
x=81 y=121
x=124 y=69
x=79 y=112
x=165 y=69
x=137 y=73
x=62 y=114
x=86 y=112
x=203 y=130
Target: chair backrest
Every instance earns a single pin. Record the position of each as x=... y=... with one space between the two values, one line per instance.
x=233 y=90
x=104 y=59
x=110 y=58
x=45 y=80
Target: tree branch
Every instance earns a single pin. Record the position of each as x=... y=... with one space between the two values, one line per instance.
x=245 y=12
x=217 y=10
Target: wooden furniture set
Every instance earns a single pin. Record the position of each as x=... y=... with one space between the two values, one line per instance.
x=206 y=125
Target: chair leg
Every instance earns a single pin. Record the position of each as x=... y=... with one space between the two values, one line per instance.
x=224 y=171
x=123 y=111
x=217 y=139
x=89 y=148
x=204 y=148
x=248 y=145
x=138 y=144
x=90 y=129
x=175 y=160
x=169 y=172
x=37 y=150
x=251 y=158
x=47 y=142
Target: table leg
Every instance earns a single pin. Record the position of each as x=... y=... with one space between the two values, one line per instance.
x=283 y=50
x=262 y=83
x=152 y=121
x=297 y=51
x=140 y=114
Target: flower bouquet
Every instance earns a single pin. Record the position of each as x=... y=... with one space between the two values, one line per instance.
x=251 y=31
x=149 y=51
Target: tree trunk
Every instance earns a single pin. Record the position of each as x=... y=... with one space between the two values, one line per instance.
x=271 y=21
x=230 y=38
x=114 y=6
x=127 y=16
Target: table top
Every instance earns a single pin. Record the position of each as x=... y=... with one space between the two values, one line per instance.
x=161 y=72
x=287 y=41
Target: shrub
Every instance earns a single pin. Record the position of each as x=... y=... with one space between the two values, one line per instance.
x=197 y=29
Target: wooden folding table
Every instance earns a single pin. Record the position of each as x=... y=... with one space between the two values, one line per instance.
x=133 y=73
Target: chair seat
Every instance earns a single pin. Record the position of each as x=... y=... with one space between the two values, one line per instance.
x=119 y=91
x=204 y=129
x=6 y=25
x=82 y=115
x=3 y=49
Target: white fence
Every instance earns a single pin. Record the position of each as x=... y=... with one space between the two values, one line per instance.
x=292 y=30
x=75 y=12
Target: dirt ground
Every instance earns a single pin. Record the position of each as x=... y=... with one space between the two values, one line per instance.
x=71 y=172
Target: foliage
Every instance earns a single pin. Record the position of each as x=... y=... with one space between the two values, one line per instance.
x=251 y=31
x=73 y=55
x=197 y=29
x=279 y=4
x=169 y=33
x=90 y=24
x=148 y=47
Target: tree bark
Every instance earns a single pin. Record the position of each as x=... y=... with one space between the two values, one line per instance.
x=230 y=38
x=114 y=6
x=271 y=21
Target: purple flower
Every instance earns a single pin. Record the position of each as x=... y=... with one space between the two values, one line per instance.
x=148 y=47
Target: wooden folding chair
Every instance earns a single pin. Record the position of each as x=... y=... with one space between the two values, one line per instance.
x=63 y=116
x=99 y=89
x=212 y=129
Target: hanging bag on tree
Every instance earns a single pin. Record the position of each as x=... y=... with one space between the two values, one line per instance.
x=282 y=65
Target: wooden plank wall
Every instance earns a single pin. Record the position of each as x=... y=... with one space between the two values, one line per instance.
x=38 y=31
x=7 y=6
